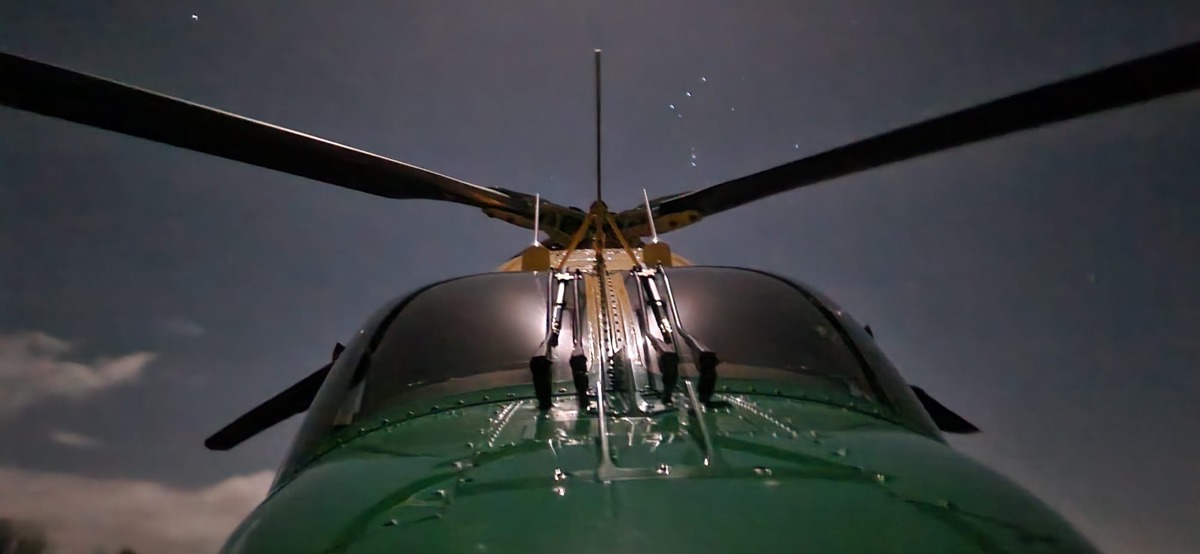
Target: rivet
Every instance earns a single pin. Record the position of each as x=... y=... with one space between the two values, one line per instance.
x=487 y=398
x=762 y=471
x=512 y=395
x=664 y=469
x=460 y=402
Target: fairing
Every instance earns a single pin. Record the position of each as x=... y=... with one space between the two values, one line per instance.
x=791 y=473
x=426 y=436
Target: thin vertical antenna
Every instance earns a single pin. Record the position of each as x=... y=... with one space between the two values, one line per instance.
x=537 y=216
x=650 y=218
x=599 y=196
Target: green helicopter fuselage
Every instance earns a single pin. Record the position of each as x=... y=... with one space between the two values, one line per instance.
x=431 y=432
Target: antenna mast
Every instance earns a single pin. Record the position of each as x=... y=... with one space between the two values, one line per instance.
x=599 y=196
x=537 y=218
x=650 y=218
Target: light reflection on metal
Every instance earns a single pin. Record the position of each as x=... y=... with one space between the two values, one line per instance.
x=751 y=407
x=671 y=298
x=537 y=217
x=606 y=464
x=579 y=359
x=501 y=421
x=697 y=411
x=650 y=218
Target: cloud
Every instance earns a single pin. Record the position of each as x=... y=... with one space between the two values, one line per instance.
x=74 y=439
x=82 y=515
x=181 y=327
x=33 y=368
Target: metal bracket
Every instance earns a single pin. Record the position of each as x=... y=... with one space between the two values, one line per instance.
x=541 y=362
x=654 y=312
x=705 y=358
x=579 y=360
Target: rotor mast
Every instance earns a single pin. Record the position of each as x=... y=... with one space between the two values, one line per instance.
x=598 y=223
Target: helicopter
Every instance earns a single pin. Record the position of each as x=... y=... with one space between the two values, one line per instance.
x=599 y=392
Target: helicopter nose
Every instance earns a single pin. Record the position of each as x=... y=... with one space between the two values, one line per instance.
x=502 y=477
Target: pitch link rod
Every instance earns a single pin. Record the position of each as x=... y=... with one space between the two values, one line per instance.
x=704 y=359
x=654 y=308
x=541 y=363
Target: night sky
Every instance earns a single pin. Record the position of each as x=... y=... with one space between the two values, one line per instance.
x=1042 y=285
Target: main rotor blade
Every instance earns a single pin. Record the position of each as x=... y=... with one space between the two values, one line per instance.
x=56 y=92
x=1170 y=72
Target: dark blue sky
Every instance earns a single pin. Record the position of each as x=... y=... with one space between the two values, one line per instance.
x=1043 y=285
